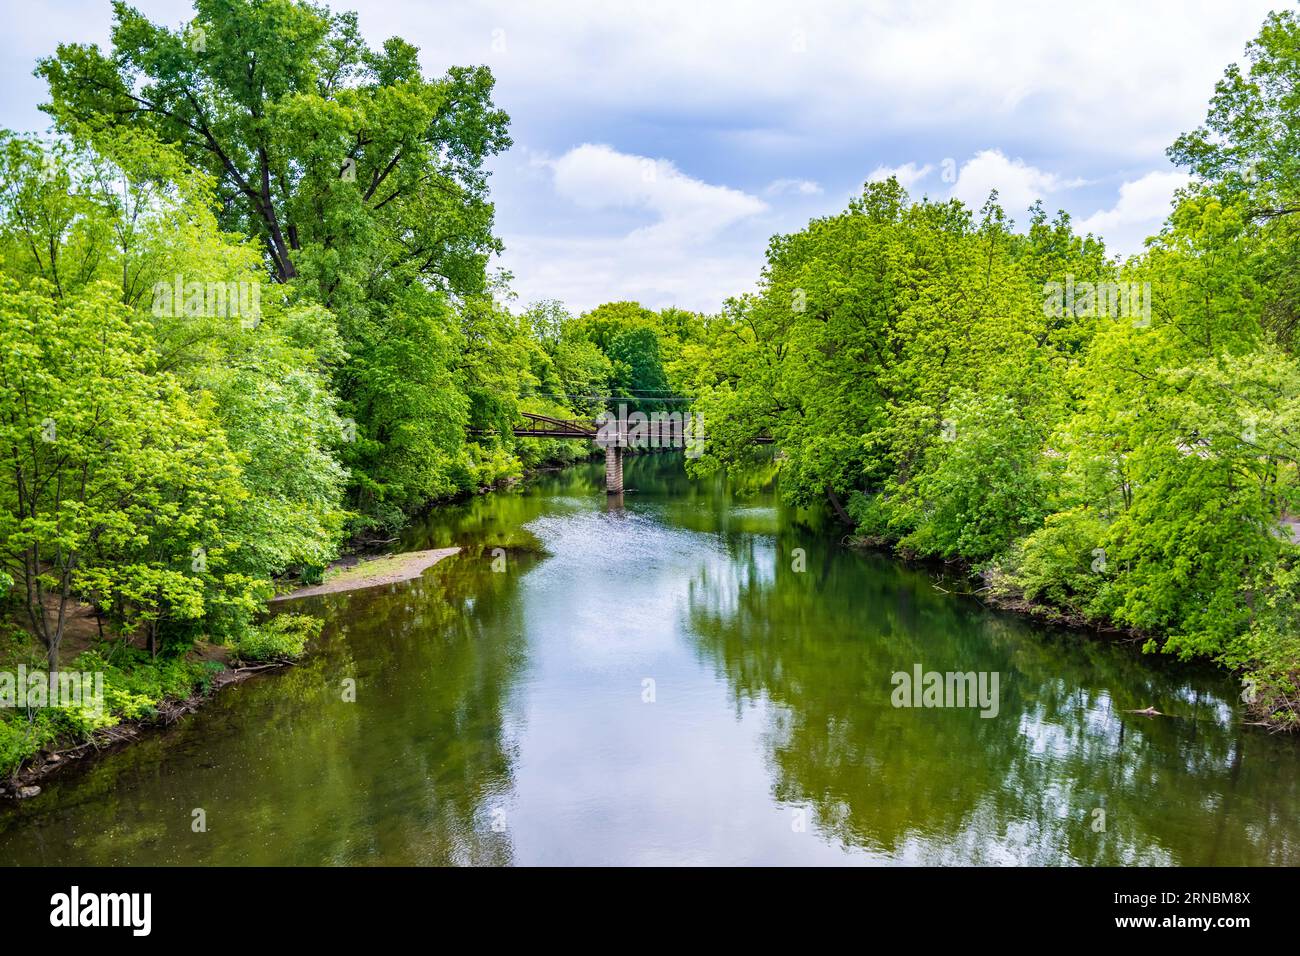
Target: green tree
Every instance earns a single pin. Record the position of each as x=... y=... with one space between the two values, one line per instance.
x=359 y=178
x=266 y=374
x=115 y=484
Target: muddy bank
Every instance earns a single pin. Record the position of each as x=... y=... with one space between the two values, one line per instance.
x=372 y=572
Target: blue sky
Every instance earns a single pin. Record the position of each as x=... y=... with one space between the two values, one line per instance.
x=658 y=145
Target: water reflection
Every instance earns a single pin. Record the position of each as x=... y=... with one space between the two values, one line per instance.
x=948 y=786
x=674 y=677
x=416 y=770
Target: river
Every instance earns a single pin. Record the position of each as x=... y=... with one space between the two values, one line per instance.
x=698 y=675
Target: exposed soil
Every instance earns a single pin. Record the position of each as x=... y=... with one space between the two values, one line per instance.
x=373 y=572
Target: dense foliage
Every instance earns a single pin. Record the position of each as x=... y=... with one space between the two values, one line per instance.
x=246 y=319
x=1117 y=439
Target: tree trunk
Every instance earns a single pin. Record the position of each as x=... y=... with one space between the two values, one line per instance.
x=839 y=508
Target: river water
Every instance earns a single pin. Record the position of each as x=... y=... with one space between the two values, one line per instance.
x=695 y=675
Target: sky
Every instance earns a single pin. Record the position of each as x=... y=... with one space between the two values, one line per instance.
x=659 y=145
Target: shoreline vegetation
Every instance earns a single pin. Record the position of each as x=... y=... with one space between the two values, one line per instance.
x=358 y=571
x=1108 y=440
x=998 y=592
x=26 y=781
x=352 y=573
x=211 y=668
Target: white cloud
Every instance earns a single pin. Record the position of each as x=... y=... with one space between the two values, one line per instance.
x=678 y=257
x=1137 y=212
x=1142 y=206
x=908 y=175
x=803 y=187
x=1018 y=183
x=1107 y=78
x=1085 y=90
x=686 y=209
x=585 y=272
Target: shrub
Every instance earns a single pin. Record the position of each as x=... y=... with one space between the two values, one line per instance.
x=983 y=487
x=1269 y=650
x=1059 y=562
x=281 y=638
x=23 y=734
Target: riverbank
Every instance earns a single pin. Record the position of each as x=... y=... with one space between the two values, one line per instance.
x=995 y=591
x=165 y=690
x=998 y=591
x=27 y=781
x=520 y=689
x=371 y=572
x=147 y=694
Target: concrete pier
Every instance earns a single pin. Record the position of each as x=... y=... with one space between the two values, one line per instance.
x=614 y=469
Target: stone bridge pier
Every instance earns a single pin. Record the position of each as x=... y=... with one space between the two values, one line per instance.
x=613 y=469
x=615 y=441
x=615 y=437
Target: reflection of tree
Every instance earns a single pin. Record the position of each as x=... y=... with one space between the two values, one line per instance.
x=498 y=519
x=949 y=786
x=290 y=773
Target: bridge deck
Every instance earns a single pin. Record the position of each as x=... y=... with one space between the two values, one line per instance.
x=651 y=432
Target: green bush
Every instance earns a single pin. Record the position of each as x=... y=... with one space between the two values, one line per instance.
x=981 y=487
x=135 y=683
x=281 y=638
x=1060 y=562
x=886 y=516
x=312 y=574
x=1269 y=651
x=22 y=734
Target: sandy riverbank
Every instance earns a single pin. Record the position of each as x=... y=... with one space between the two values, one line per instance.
x=373 y=572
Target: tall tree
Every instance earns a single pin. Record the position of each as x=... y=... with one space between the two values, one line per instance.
x=363 y=181
x=114 y=482
x=347 y=162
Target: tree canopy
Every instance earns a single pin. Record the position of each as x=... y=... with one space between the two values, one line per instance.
x=1115 y=438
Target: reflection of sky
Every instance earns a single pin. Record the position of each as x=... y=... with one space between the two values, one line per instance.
x=604 y=777
x=634 y=782
x=1092 y=718
x=691 y=591
x=523 y=707
x=988 y=839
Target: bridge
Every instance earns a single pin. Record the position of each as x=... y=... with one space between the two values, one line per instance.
x=542 y=426
x=658 y=430
x=616 y=434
